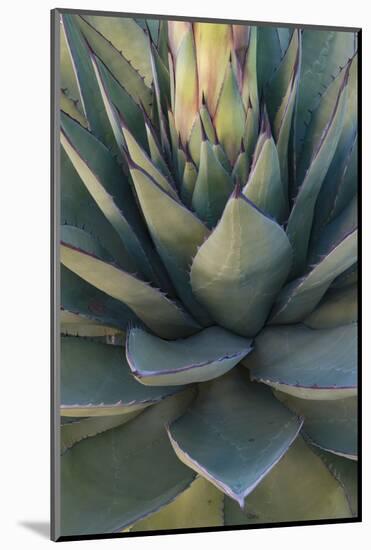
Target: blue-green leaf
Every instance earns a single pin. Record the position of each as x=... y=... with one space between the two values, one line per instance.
x=207 y=355
x=306 y=363
x=233 y=434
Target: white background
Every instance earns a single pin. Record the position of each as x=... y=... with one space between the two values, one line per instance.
x=24 y=247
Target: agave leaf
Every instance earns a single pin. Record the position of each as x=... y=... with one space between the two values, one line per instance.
x=338 y=190
x=140 y=157
x=324 y=51
x=176 y=235
x=204 y=356
x=77 y=324
x=79 y=208
x=188 y=182
x=120 y=67
x=269 y=54
x=96 y=381
x=94 y=109
x=331 y=425
x=240 y=268
x=233 y=434
x=82 y=255
x=338 y=307
x=300 y=297
x=241 y=167
x=73 y=432
x=127 y=484
x=90 y=305
x=315 y=495
x=200 y=505
x=281 y=100
x=264 y=186
x=110 y=189
x=161 y=78
x=212 y=187
x=215 y=38
x=348 y=277
x=68 y=106
x=346 y=472
x=322 y=136
x=69 y=85
x=150 y=25
x=250 y=82
x=155 y=150
x=186 y=89
x=128 y=38
x=123 y=102
x=333 y=233
x=229 y=118
x=283 y=358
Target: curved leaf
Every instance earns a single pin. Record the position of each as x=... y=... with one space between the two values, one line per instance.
x=80 y=254
x=201 y=505
x=212 y=188
x=264 y=186
x=331 y=425
x=128 y=484
x=346 y=472
x=322 y=137
x=176 y=235
x=120 y=67
x=313 y=495
x=96 y=381
x=90 y=304
x=90 y=95
x=204 y=356
x=110 y=189
x=238 y=271
x=128 y=38
x=299 y=298
x=73 y=432
x=306 y=363
x=338 y=307
x=233 y=434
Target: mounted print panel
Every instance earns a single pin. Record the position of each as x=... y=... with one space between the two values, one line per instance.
x=205 y=183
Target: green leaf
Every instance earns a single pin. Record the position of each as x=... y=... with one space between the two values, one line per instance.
x=92 y=102
x=269 y=54
x=188 y=182
x=79 y=208
x=128 y=38
x=176 y=236
x=96 y=381
x=68 y=80
x=229 y=118
x=233 y=434
x=322 y=137
x=110 y=189
x=68 y=105
x=201 y=505
x=333 y=233
x=324 y=51
x=346 y=472
x=90 y=304
x=129 y=484
x=120 y=67
x=348 y=277
x=306 y=363
x=338 y=307
x=300 y=297
x=314 y=495
x=238 y=271
x=123 y=102
x=264 y=186
x=77 y=324
x=81 y=254
x=204 y=356
x=73 y=432
x=331 y=425
x=212 y=188
x=140 y=157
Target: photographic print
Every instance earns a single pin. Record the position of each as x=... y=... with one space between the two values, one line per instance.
x=205 y=188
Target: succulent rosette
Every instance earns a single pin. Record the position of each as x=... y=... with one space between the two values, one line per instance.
x=209 y=272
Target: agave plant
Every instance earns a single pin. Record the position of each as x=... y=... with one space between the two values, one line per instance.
x=208 y=294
